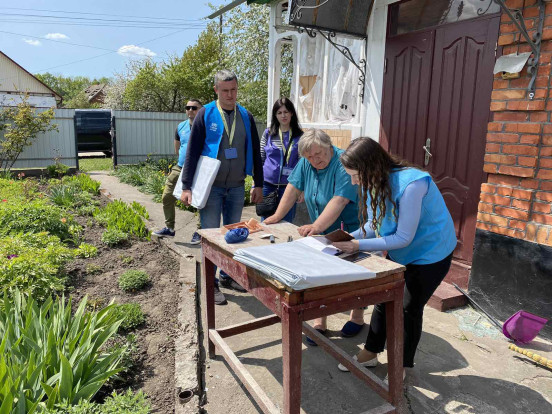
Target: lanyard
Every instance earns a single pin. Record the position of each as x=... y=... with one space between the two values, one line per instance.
x=231 y=132
x=288 y=152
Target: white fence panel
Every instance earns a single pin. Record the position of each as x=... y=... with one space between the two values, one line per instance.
x=139 y=134
x=54 y=144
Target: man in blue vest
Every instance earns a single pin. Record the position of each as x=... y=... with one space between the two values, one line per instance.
x=181 y=138
x=226 y=131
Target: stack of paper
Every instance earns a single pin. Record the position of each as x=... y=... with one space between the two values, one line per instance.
x=299 y=266
x=205 y=174
x=319 y=243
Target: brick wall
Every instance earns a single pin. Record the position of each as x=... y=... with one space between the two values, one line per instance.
x=516 y=200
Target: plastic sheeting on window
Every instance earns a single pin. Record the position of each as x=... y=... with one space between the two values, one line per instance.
x=339 y=105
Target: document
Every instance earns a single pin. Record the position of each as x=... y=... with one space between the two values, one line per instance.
x=319 y=243
x=204 y=177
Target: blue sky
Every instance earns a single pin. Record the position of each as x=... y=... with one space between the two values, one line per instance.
x=177 y=26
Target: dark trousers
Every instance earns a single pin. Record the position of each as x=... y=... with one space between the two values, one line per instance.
x=420 y=283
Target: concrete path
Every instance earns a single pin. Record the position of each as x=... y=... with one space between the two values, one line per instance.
x=463 y=364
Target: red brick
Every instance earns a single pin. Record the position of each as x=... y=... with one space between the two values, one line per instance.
x=527 y=161
x=500 y=84
x=543 y=235
x=503 y=180
x=542 y=71
x=539 y=116
x=529 y=184
x=504 y=191
x=508 y=28
x=495 y=199
x=510 y=116
x=501 y=95
x=490 y=168
x=485 y=208
x=546 y=185
x=529 y=139
x=510 y=212
x=531 y=231
x=516 y=224
x=520 y=149
x=527 y=128
x=543 y=218
x=506 y=39
x=500 y=159
x=545 y=174
x=541 y=93
x=491 y=148
x=508 y=232
x=488 y=188
x=521 y=204
x=545 y=163
x=544 y=152
x=523 y=105
x=547 y=128
x=498 y=106
x=494 y=126
x=484 y=226
x=543 y=196
x=522 y=194
x=516 y=171
x=500 y=137
x=546 y=139
x=493 y=219
x=541 y=207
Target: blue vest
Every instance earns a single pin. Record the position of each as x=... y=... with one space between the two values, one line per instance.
x=214 y=129
x=273 y=164
x=435 y=237
x=184 y=134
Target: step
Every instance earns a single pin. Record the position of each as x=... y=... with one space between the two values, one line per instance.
x=447 y=297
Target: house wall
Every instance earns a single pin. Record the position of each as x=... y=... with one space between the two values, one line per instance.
x=37 y=101
x=512 y=265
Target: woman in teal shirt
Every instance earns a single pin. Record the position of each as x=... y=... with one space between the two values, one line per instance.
x=330 y=196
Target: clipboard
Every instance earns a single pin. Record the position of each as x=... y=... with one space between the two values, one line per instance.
x=336 y=236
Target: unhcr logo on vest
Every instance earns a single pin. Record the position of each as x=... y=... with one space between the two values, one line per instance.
x=213 y=127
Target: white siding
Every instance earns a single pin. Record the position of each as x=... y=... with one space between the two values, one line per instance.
x=14 y=79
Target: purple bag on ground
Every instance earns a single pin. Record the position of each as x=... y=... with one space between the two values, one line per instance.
x=523 y=326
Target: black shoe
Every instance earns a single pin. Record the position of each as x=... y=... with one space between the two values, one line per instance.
x=165 y=232
x=219 y=297
x=230 y=283
x=196 y=239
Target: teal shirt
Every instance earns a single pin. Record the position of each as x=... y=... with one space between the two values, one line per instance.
x=320 y=186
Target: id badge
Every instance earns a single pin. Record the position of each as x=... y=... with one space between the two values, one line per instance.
x=231 y=153
x=286 y=171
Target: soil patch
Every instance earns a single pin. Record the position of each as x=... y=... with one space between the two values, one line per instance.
x=97 y=278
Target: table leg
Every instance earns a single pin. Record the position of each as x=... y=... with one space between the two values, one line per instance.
x=395 y=329
x=291 y=357
x=208 y=284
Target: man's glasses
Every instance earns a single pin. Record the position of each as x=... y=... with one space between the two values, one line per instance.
x=193 y=108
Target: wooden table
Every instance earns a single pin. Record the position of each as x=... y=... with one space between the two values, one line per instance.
x=292 y=307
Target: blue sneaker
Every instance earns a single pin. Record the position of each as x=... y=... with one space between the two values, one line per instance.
x=196 y=238
x=165 y=232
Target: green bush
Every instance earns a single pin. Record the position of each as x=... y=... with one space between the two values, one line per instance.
x=87 y=251
x=83 y=182
x=34 y=217
x=121 y=216
x=126 y=403
x=248 y=184
x=132 y=314
x=33 y=263
x=133 y=280
x=48 y=355
x=57 y=170
x=114 y=237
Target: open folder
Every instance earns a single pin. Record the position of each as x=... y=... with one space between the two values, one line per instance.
x=299 y=266
x=204 y=177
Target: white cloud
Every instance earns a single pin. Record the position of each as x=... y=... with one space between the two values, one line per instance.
x=32 y=42
x=56 y=36
x=132 y=50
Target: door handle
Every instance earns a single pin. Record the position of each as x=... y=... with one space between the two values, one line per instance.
x=428 y=155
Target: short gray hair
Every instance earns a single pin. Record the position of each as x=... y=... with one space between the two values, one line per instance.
x=313 y=137
x=224 y=75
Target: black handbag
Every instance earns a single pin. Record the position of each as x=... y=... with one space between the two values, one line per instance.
x=268 y=206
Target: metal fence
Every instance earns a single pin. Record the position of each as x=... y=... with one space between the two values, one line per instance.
x=52 y=145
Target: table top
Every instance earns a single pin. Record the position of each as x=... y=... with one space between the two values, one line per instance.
x=379 y=265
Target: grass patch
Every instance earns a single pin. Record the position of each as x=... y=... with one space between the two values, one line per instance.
x=95 y=164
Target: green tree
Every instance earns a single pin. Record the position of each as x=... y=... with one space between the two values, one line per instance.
x=20 y=126
x=71 y=88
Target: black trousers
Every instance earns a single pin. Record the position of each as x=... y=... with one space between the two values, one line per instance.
x=420 y=283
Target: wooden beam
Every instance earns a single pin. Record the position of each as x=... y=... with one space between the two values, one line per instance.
x=248 y=326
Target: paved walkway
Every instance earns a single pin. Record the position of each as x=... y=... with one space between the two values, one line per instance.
x=463 y=364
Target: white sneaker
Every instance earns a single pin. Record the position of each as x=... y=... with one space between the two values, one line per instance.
x=386 y=379
x=371 y=363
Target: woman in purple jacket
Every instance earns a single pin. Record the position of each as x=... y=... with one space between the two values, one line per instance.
x=279 y=150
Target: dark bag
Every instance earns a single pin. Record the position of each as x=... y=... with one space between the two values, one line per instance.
x=268 y=206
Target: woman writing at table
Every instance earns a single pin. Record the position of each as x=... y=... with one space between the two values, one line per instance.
x=330 y=197
x=402 y=212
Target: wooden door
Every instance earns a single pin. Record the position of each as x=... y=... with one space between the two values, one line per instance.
x=443 y=93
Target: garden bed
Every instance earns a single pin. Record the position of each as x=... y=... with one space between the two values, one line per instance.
x=97 y=277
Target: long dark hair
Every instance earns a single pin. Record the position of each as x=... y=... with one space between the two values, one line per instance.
x=374 y=165
x=295 y=129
